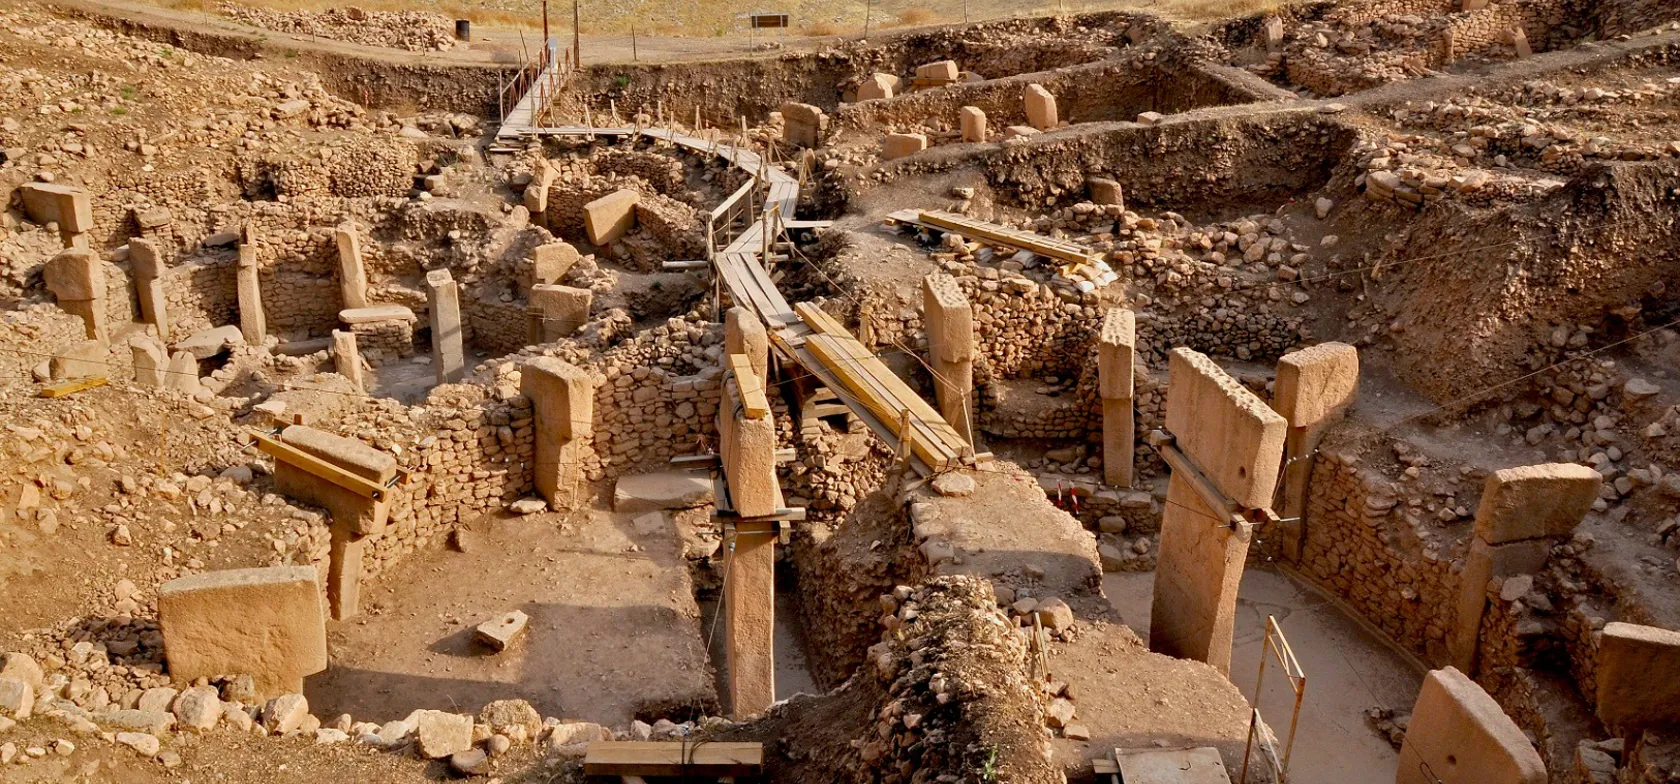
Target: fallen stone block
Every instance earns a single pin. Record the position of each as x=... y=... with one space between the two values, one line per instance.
x=1105 y=191
x=211 y=342
x=285 y=713
x=898 y=145
x=660 y=491
x=610 y=217
x=439 y=734
x=17 y=699
x=83 y=360
x=943 y=69
x=133 y=720
x=498 y=633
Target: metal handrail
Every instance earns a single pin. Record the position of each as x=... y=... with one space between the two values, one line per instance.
x=1277 y=646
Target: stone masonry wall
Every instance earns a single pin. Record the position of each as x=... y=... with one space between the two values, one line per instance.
x=1361 y=547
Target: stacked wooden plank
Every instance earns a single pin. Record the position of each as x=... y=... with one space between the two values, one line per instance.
x=1064 y=250
x=866 y=379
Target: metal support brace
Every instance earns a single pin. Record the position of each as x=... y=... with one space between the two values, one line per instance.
x=1238 y=517
x=323 y=469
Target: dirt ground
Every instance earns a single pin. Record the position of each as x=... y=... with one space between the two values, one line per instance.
x=614 y=630
x=1349 y=670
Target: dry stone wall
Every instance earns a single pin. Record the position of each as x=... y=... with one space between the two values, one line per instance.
x=1363 y=546
x=202 y=292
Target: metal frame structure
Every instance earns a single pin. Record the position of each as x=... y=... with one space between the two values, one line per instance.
x=1276 y=646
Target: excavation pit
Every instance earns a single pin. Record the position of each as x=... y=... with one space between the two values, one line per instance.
x=652 y=403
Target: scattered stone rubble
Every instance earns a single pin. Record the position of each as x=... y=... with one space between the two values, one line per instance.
x=417 y=31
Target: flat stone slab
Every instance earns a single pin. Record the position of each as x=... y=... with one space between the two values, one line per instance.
x=665 y=490
x=209 y=343
x=373 y=314
x=1175 y=766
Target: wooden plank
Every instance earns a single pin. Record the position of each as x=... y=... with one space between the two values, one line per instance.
x=894 y=386
x=673 y=758
x=318 y=467
x=71 y=387
x=887 y=434
x=751 y=389
x=819 y=320
x=848 y=362
x=991 y=232
x=890 y=386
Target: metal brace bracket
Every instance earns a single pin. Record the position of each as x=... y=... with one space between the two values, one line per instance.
x=1237 y=517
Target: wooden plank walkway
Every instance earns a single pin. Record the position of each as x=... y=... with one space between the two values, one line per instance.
x=522 y=118
x=803 y=333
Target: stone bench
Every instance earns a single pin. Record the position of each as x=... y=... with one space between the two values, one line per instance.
x=386 y=328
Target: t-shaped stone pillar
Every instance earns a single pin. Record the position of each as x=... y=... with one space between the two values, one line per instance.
x=949 y=321
x=77 y=278
x=148 y=266
x=973 y=123
x=549 y=263
x=1638 y=677
x=69 y=207
x=356 y=518
x=803 y=125
x=747 y=451
x=1458 y=734
x=1116 y=359
x=1315 y=386
x=151 y=361
x=1041 y=107
x=555 y=312
x=352 y=276
x=563 y=405
x=536 y=193
x=266 y=623
x=744 y=333
x=444 y=312
x=253 y=322
x=1233 y=443
x=1523 y=511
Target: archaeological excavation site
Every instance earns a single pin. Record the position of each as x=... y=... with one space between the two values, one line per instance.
x=1111 y=397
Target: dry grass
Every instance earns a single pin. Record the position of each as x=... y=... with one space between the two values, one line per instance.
x=714 y=19
x=911 y=17
x=818 y=29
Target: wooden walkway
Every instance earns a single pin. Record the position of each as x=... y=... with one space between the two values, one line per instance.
x=803 y=333
x=532 y=107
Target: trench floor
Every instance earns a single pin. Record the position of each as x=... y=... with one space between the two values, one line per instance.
x=1348 y=671
x=614 y=628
